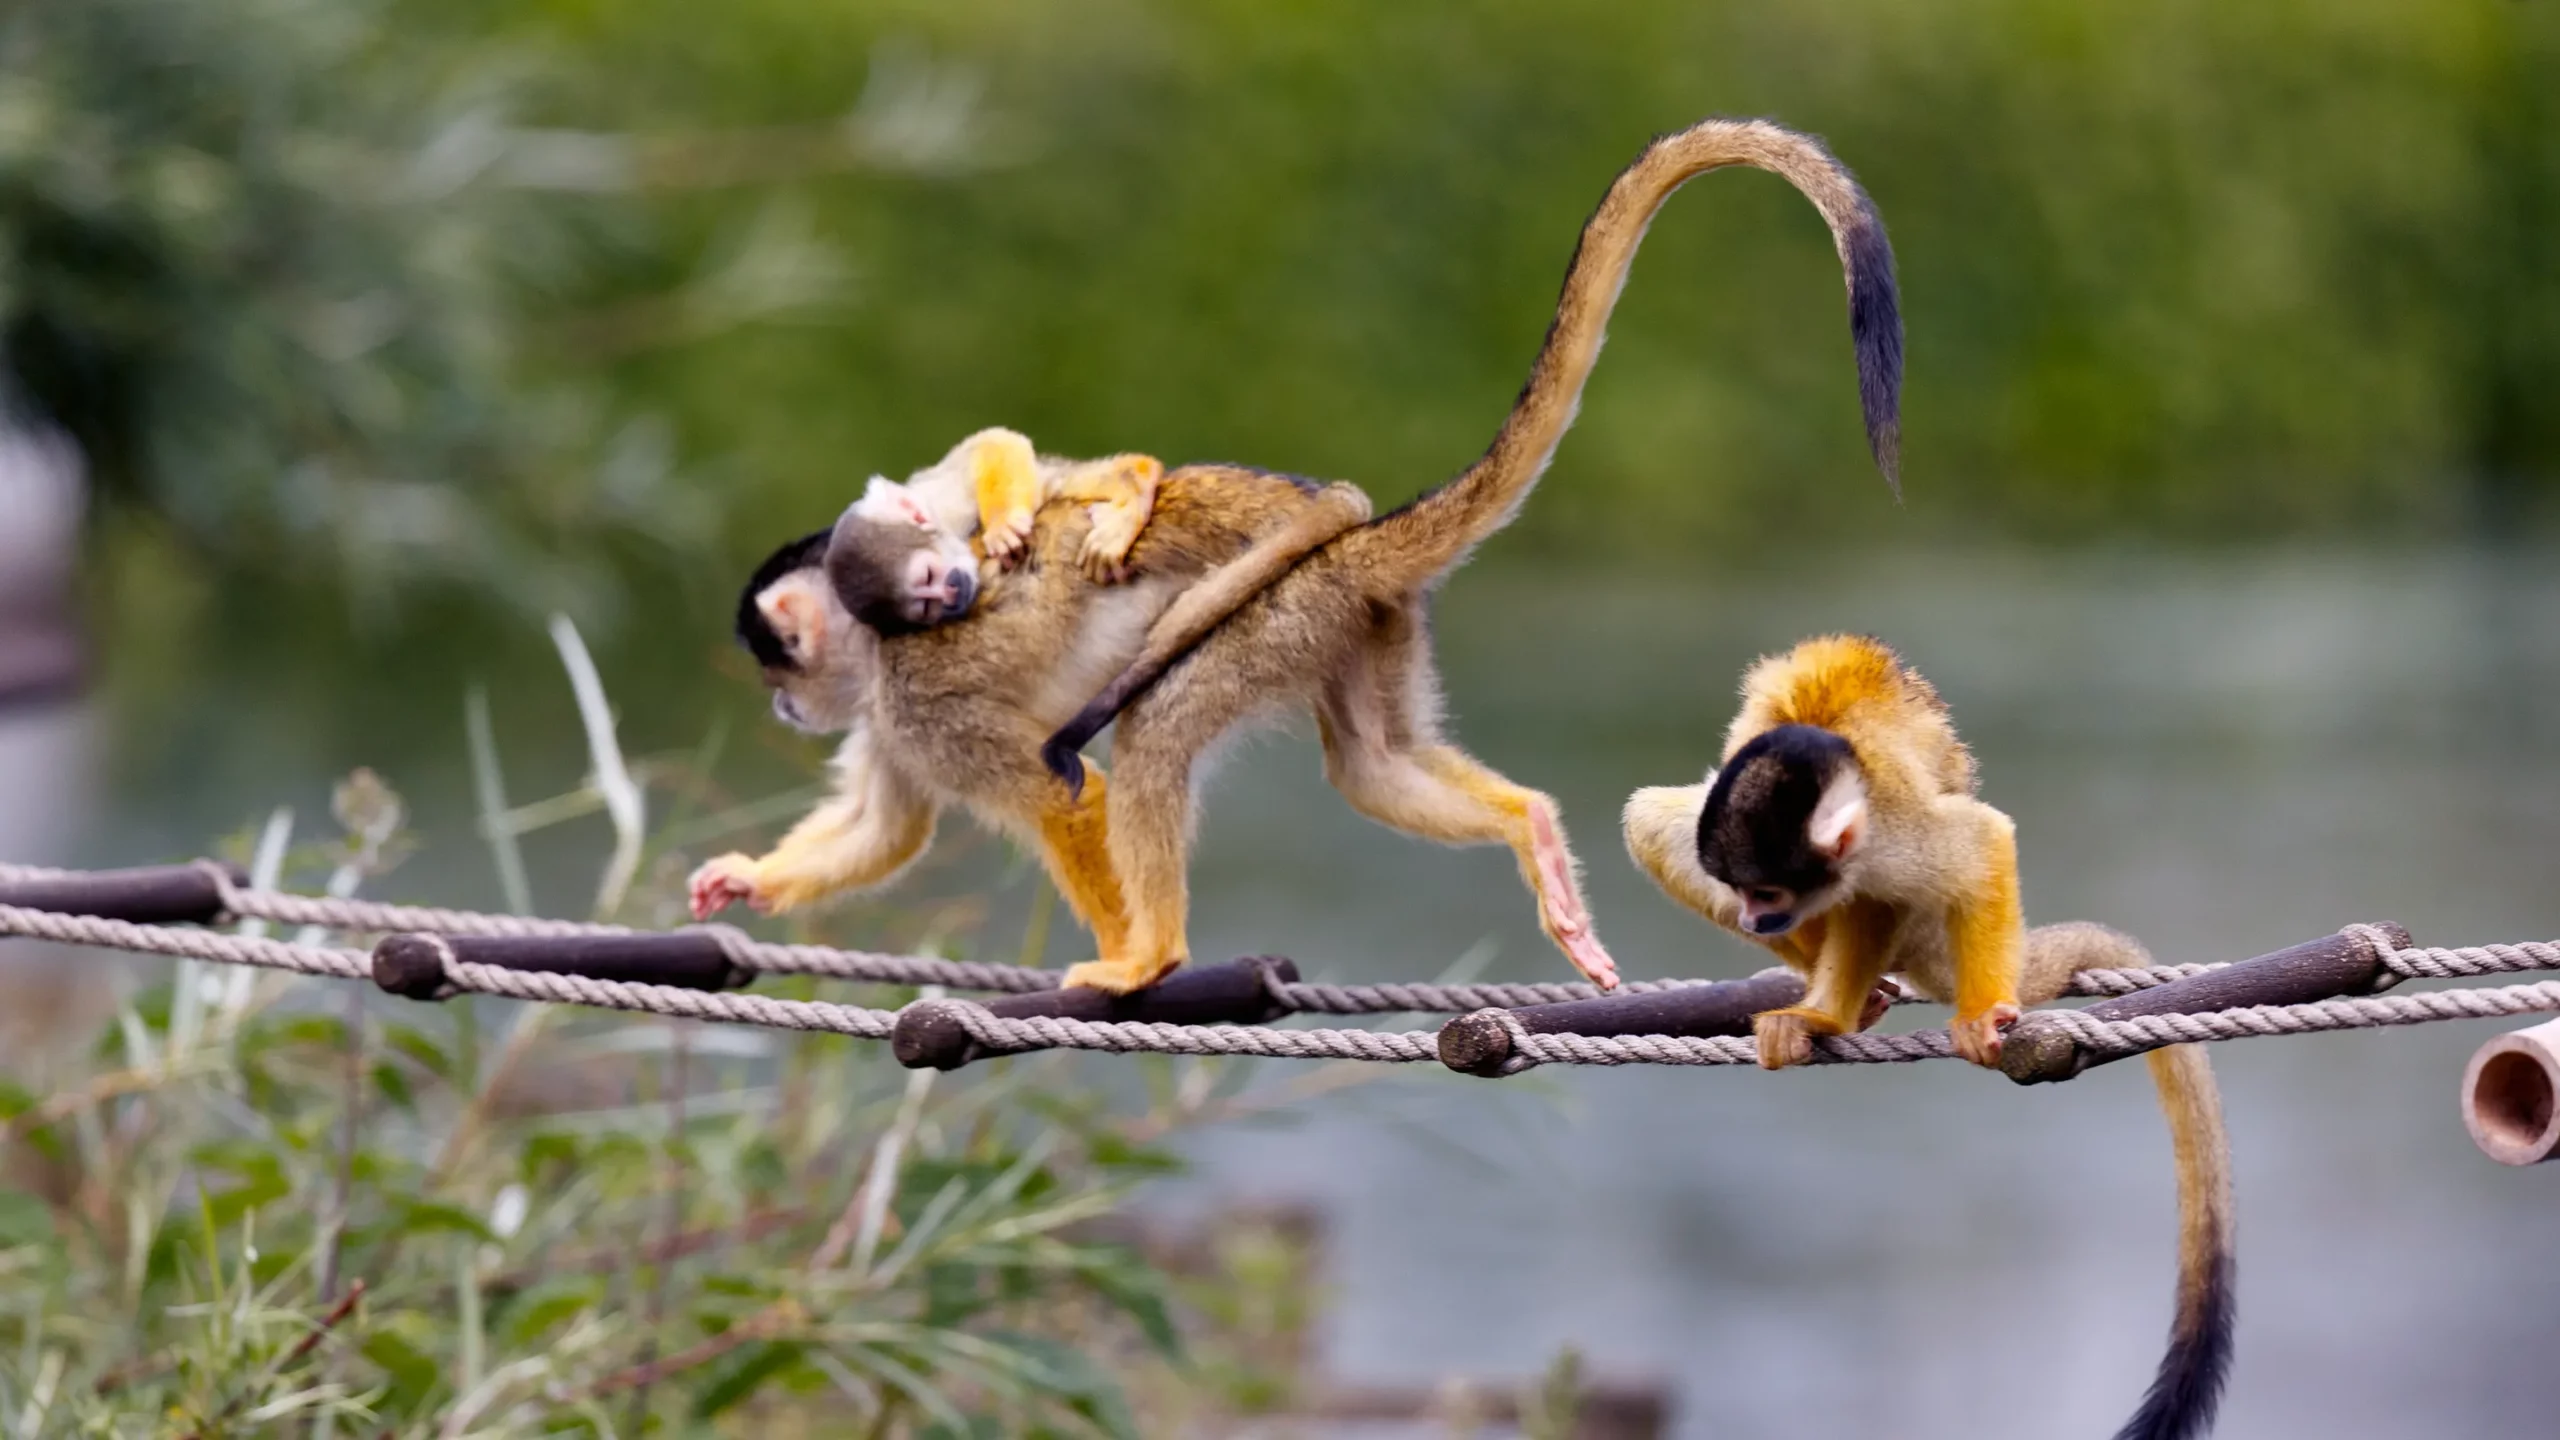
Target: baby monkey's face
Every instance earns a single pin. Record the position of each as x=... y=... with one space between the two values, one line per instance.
x=937 y=585
x=894 y=568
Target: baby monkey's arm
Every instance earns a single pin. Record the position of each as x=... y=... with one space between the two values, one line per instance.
x=1010 y=482
x=1122 y=490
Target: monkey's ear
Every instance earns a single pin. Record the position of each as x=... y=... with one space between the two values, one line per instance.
x=798 y=620
x=1839 y=823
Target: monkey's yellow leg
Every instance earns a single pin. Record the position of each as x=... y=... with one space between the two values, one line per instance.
x=1075 y=849
x=1439 y=792
x=1987 y=936
x=848 y=843
x=1149 y=830
x=1855 y=944
x=1004 y=473
x=1123 y=492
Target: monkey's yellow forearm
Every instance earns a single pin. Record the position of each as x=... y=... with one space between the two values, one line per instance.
x=867 y=831
x=838 y=847
x=1987 y=927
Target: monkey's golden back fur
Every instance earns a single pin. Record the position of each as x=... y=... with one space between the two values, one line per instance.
x=970 y=701
x=1857 y=688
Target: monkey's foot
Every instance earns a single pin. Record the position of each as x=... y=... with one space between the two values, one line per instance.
x=1784 y=1038
x=1560 y=910
x=1879 y=1000
x=1978 y=1039
x=721 y=883
x=1120 y=977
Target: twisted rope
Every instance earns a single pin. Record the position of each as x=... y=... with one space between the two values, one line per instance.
x=1047 y=1032
x=1529 y=1050
x=187 y=944
x=2438 y=963
x=375 y=917
x=2136 y=1034
x=2113 y=1038
x=727 y=1007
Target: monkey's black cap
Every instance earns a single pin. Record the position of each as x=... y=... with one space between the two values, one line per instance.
x=1753 y=829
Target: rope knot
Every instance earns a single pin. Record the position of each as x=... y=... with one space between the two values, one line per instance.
x=2397 y=964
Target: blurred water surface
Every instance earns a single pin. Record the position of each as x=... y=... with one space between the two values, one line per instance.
x=2222 y=753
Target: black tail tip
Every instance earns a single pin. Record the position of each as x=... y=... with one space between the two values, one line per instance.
x=1062 y=754
x=1875 y=329
x=2188 y=1390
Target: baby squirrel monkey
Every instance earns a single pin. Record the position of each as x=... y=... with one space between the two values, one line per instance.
x=1842 y=832
x=901 y=553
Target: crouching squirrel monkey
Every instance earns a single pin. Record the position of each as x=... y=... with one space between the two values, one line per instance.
x=1346 y=633
x=902 y=554
x=954 y=712
x=1842 y=832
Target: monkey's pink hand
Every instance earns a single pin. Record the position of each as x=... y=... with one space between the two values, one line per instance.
x=721 y=883
x=1978 y=1039
x=1008 y=538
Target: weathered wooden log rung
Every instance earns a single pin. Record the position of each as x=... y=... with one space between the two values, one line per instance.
x=1480 y=1043
x=412 y=966
x=145 y=895
x=934 y=1034
x=2039 y=1050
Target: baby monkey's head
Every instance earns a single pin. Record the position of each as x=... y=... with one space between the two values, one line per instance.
x=815 y=659
x=1783 y=820
x=894 y=568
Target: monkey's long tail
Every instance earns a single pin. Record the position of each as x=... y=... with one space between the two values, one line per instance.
x=2188 y=1387
x=1425 y=538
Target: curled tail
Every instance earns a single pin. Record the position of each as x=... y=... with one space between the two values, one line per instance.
x=2188 y=1387
x=1199 y=610
x=1412 y=545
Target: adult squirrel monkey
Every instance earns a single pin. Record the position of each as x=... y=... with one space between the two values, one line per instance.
x=1842 y=832
x=947 y=704
x=1346 y=633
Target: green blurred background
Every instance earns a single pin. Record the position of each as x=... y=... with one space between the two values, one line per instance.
x=2231 y=458
x=384 y=324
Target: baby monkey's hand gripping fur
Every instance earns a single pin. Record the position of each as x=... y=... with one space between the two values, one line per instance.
x=1841 y=832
